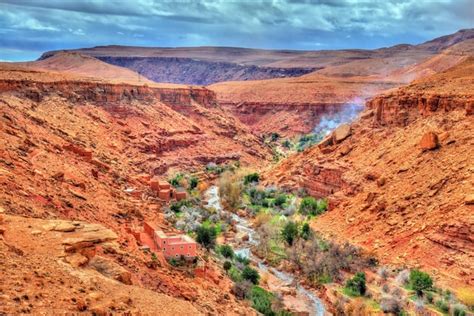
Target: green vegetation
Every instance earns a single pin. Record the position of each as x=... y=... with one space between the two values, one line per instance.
x=310 y=206
x=227 y=265
x=442 y=306
x=308 y=140
x=193 y=183
x=176 y=206
x=250 y=274
x=235 y=274
x=206 y=236
x=356 y=285
x=251 y=178
x=305 y=231
x=458 y=311
x=290 y=232
x=176 y=180
x=420 y=281
x=226 y=251
x=262 y=300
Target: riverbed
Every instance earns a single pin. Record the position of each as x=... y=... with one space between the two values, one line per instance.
x=294 y=296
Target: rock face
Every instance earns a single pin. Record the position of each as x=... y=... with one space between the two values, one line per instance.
x=429 y=141
x=199 y=72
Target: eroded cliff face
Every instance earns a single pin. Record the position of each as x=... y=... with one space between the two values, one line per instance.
x=199 y=72
x=399 y=181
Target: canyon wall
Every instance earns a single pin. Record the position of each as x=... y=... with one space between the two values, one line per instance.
x=199 y=72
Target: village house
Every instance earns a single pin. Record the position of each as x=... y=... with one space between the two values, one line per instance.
x=171 y=246
x=165 y=191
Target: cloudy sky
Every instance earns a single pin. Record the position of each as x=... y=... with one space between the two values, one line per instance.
x=30 y=27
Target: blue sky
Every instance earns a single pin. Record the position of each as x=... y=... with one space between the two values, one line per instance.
x=30 y=27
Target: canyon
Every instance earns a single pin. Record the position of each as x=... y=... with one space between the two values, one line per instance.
x=82 y=129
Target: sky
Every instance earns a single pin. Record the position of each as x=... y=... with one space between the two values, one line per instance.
x=30 y=27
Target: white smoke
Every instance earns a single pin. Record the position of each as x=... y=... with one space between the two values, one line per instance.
x=345 y=114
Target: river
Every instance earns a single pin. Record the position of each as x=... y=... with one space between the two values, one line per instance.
x=299 y=300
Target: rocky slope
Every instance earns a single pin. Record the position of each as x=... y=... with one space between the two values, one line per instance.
x=71 y=148
x=400 y=179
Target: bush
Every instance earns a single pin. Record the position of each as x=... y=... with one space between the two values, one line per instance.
x=290 y=232
x=193 y=183
x=243 y=260
x=280 y=200
x=262 y=301
x=466 y=296
x=429 y=297
x=230 y=190
x=459 y=311
x=390 y=305
x=420 y=281
x=176 y=180
x=206 y=236
x=251 y=178
x=442 y=306
x=227 y=265
x=310 y=206
x=226 y=251
x=403 y=277
x=235 y=274
x=176 y=206
x=305 y=231
x=250 y=274
x=356 y=286
x=241 y=289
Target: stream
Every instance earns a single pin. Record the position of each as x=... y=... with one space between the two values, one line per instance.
x=301 y=300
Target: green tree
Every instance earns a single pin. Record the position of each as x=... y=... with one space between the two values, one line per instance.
x=226 y=251
x=193 y=183
x=227 y=266
x=290 y=232
x=420 y=281
x=356 y=285
x=280 y=199
x=305 y=231
x=251 y=178
x=206 y=236
x=250 y=274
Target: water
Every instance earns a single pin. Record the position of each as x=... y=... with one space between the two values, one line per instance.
x=287 y=279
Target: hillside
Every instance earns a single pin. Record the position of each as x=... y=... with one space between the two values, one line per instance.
x=395 y=189
x=71 y=149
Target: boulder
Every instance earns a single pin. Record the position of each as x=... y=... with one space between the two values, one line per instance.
x=469 y=199
x=111 y=269
x=341 y=133
x=429 y=141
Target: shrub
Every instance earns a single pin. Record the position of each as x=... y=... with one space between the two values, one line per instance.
x=193 y=183
x=390 y=305
x=308 y=206
x=250 y=274
x=243 y=260
x=459 y=311
x=280 y=200
x=230 y=189
x=251 y=178
x=235 y=274
x=227 y=251
x=420 y=281
x=206 y=236
x=176 y=206
x=290 y=232
x=403 y=277
x=176 y=180
x=305 y=231
x=286 y=143
x=262 y=300
x=466 y=296
x=356 y=286
x=429 y=297
x=241 y=289
x=442 y=306
x=227 y=265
